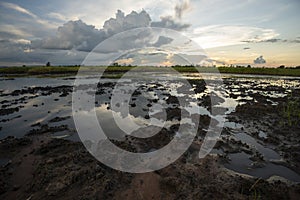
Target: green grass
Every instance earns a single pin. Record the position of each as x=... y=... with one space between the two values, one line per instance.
x=40 y=70
x=261 y=71
x=232 y=70
x=291 y=110
x=52 y=70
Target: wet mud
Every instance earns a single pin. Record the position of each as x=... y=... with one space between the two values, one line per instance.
x=256 y=156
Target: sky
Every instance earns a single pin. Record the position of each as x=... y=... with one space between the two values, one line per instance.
x=233 y=32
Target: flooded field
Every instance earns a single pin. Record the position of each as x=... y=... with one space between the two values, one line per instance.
x=260 y=137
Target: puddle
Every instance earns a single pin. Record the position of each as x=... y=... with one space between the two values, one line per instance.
x=262 y=135
x=268 y=153
x=241 y=163
x=40 y=109
x=4 y=161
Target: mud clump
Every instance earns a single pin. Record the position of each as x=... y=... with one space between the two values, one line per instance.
x=8 y=111
x=64 y=169
x=45 y=128
x=59 y=119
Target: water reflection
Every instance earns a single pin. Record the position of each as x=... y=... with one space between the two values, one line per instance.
x=40 y=108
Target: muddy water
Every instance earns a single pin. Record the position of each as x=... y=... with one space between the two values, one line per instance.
x=43 y=105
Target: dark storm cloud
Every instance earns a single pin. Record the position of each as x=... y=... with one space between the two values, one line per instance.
x=12 y=51
x=274 y=40
x=259 y=60
x=162 y=40
x=82 y=37
x=295 y=41
x=169 y=22
x=72 y=37
x=181 y=7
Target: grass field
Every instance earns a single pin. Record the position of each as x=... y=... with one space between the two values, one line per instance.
x=41 y=70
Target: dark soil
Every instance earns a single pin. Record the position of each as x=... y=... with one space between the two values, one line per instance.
x=43 y=168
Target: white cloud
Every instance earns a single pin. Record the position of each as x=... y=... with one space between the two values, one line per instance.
x=26 y=12
x=10 y=31
x=94 y=12
x=76 y=37
x=123 y=23
x=17 y=8
x=57 y=16
x=226 y=35
x=80 y=36
x=73 y=34
x=21 y=41
x=19 y=23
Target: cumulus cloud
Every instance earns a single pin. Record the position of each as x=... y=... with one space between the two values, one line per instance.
x=72 y=35
x=259 y=60
x=76 y=36
x=82 y=37
x=181 y=7
x=123 y=23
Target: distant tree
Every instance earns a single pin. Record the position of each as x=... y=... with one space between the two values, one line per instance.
x=115 y=64
x=248 y=66
x=48 y=64
x=23 y=65
x=281 y=67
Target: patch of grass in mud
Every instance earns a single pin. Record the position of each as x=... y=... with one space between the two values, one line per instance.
x=291 y=111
